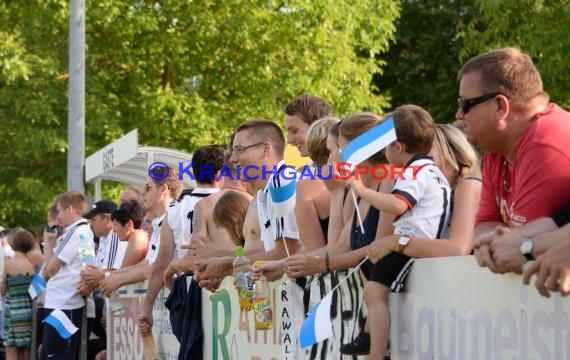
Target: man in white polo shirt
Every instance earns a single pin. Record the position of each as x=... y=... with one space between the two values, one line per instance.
x=62 y=275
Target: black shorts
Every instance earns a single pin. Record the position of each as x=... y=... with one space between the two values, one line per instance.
x=366 y=269
x=392 y=271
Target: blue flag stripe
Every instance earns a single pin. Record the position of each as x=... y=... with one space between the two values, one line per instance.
x=308 y=336
x=37 y=286
x=58 y=326
x=366 y=138
x=283 y=193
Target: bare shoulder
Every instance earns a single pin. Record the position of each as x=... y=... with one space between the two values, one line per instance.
x=140 y=236
x=471 y=183
x=9 y=265
x=309 y=188
x=35 y=256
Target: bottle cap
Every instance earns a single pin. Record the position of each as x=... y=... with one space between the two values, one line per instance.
x=239 y=250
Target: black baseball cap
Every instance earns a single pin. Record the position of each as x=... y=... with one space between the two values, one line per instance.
x=101 y=207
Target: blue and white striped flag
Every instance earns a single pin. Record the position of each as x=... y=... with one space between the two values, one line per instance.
x=283 y=189
x=318 y=324
x=37 y=286
x=369 y=143
x=61 y=323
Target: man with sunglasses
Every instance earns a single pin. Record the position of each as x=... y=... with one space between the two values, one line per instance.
x=527 y=161
x=159 y=193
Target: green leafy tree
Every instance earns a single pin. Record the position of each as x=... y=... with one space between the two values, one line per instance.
x=540 y=28
x=183 y=73
x=421 y=67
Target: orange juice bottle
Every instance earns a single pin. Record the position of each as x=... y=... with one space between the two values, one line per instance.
x=262 y=304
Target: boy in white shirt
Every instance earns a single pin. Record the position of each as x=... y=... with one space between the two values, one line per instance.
x=421 y=202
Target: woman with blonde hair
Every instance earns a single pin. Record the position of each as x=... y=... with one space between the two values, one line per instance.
x=347 y=240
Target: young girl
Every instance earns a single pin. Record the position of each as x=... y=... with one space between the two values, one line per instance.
x=17 y=276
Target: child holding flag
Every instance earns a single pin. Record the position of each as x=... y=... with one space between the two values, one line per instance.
x=421 y=202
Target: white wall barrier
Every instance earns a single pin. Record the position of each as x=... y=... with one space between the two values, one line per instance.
x=452 y=310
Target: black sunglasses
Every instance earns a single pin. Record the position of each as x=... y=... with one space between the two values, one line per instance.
x=466 y=104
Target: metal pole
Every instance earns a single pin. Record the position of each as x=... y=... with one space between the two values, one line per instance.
x=34 y=345
x=84 y=332
x=76 y=98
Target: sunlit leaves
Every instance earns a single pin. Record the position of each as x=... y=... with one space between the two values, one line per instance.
x=184 y=73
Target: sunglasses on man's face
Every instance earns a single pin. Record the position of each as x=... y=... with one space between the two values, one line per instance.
x=466 y=104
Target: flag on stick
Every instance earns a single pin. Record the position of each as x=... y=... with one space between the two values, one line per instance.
x=318 y=324
x=369 y=143
x=61 y=323
x=37 y=286
x=283 y=189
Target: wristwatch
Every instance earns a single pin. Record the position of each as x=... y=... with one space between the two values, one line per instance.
x=527 y=245
x=403 y=241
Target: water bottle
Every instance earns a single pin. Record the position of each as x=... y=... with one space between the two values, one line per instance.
x=86 y=249
x=244 y=283
x=262 y=304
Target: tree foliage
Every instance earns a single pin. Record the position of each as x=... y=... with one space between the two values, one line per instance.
x=540 y=28
x=421 y=67
x=184 y=73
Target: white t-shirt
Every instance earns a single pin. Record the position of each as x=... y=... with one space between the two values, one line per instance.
x=180 y=214
x=428 y=195
x=111 y=251
x=273 y=229
x=154 y=244
x=61 y=292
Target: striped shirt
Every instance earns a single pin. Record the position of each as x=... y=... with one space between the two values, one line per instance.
x=111 y=251
x=60 y=290
x=427 y=194
x=273 y=229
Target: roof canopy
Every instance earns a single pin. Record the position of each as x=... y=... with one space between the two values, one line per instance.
x=125 y=161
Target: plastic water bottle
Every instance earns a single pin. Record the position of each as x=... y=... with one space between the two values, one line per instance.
x=86 y=249
x=262 y=304
x=244 y=283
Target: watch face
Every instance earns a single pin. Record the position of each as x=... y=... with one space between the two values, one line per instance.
x=404 y=240
x=526 y=246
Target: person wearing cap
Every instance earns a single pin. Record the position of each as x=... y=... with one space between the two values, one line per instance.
x=111 y=250
x=109 y=256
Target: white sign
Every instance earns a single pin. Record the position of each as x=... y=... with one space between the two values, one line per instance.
x=114 y=154
x=453 y=309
